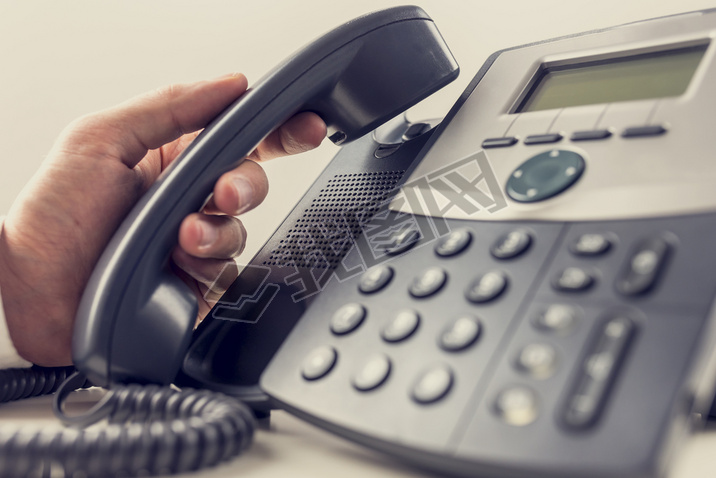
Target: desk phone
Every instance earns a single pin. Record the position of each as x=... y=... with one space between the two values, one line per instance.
x=524 y=289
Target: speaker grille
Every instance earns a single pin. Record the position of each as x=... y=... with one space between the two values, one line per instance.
x=322 y=236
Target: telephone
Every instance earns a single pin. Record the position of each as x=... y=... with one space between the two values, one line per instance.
x=524 y=289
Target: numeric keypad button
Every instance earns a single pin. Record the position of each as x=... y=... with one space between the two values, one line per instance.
x=429 y=282
x=402 y=326
x=557 y=318
x=517 y=405
x=460 y=334
x=573 y=279
x=433 y=384
x=511 y=245
x=319 y=362
x=373 y=373
x=454 y=243
x=375 y=279
x=487 y=287
x=347 y=318
x=537 y=360
x=590 y=245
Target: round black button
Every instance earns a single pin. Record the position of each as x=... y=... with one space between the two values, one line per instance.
x=454 y=243
x=460 y=333
x=375 y=279
x=319 y=362
x=487 y=287
x=403 y=325
x=545 y=175
x=347 y=318
x=429 y=282
x=373 y=373
x=511 y=245
x=433 y=384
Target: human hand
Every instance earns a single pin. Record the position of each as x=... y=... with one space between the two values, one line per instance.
x=96 y=171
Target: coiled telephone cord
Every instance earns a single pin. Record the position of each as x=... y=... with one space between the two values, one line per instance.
x=151 y=429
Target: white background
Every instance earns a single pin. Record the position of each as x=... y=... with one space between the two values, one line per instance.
x=62 y=59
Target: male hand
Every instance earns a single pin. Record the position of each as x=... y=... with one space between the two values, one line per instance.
x=97 y=170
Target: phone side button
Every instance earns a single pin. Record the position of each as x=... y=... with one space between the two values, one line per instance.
x=319 y=362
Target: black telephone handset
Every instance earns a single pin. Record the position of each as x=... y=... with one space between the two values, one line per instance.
x=136 y=318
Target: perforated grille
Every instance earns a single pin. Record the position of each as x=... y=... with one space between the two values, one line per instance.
x=322 y=236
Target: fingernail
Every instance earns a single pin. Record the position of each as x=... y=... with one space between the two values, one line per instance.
x=245 y=193
x=208 y=235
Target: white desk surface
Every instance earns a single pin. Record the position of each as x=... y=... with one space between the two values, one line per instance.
x=64 y=59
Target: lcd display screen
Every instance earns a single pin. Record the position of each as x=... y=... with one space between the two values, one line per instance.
x=653 y=75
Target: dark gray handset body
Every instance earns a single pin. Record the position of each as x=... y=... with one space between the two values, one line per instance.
x=136 y=318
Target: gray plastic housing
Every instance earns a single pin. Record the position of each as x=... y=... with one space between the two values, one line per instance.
x=136 y=317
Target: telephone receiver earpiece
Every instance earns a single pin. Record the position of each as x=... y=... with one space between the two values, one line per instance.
x=136 y=316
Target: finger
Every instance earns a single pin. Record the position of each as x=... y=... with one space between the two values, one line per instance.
x=217 y=237
x=126 y=132
x=239 y=190
x=215 y=275
x=303 y=132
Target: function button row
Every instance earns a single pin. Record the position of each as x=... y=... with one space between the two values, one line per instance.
x=598 y=371
x=432 y=384
x=403 y=325
x=585 y=135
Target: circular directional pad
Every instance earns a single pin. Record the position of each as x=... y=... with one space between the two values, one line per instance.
x=545 y=175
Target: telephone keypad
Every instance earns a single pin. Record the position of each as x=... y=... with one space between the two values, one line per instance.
x=591 y=244
x=528 y=359
x=517 y=405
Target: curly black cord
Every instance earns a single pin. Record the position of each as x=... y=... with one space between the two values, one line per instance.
x=150 y=430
